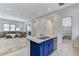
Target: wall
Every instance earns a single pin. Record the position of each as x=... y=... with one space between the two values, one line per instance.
x=6 y=21
x=69 y=11
x=38 y=27
x=66 y=12
x=72 y=11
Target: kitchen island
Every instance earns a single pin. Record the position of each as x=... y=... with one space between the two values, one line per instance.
x=42 y=47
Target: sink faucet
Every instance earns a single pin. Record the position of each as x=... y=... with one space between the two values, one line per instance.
x=42 y=35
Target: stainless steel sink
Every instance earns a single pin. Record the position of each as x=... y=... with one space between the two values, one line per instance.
x=44 y=37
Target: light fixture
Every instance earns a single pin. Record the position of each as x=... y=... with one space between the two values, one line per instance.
x=49 y=9
x=8 y=9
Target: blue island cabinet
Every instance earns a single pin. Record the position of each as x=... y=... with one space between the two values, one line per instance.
x=42 y=49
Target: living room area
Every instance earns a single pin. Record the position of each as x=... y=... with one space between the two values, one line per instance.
x=12 y=36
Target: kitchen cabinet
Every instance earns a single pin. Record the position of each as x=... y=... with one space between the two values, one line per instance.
x=76 y=43
x=44 y=48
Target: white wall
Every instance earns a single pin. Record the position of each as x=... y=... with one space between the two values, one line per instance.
x=74 y=12
x=69 y=11
x=39 y=27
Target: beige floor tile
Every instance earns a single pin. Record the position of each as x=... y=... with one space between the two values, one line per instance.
x=66 y=49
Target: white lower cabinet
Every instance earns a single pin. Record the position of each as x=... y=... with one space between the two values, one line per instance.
x=76 y=43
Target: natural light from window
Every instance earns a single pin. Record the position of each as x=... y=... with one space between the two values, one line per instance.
x=6 y=27
x=66 y=21
x=12 y=27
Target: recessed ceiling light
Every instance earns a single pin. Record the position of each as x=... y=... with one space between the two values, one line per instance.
x=49 y=9
x=8 y=9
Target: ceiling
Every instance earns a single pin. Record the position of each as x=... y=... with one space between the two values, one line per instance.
x=28 y=10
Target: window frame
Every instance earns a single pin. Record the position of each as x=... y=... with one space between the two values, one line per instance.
x=11 y=28
x=4 y=27
x=66 y=18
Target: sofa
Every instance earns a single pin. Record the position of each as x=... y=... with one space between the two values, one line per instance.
x=8 y=34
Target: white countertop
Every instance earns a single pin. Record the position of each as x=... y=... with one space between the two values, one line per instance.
x=37 y=40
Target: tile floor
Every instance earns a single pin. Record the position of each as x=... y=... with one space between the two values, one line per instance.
x=20 y=52
x=66 y=49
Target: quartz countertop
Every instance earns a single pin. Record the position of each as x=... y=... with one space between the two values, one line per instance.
x=37 y=40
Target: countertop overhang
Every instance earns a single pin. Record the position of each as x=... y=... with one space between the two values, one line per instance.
x=37 y=40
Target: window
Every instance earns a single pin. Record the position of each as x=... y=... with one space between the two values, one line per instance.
x=18 y=28
x=28 y=28
x=6 y=27
x=12 y=27
x=66 y=21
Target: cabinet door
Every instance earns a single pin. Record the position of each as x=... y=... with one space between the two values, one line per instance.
x=34 y=49
x=46 y=48
x=41 y=49
x=50 y=46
